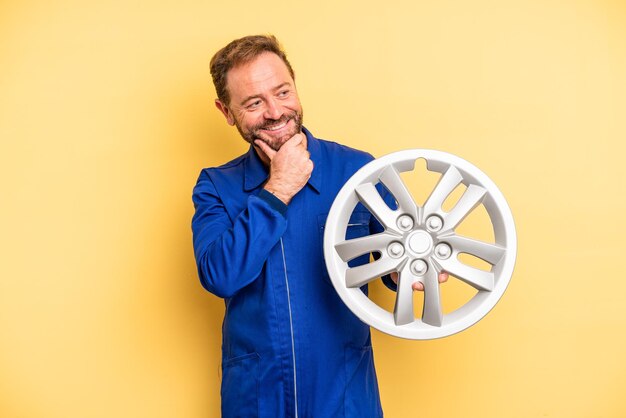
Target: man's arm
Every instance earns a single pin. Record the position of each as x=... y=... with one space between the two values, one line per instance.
x=376 y=227
x=230 y=254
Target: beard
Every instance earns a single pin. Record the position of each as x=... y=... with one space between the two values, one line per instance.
x=259 y=131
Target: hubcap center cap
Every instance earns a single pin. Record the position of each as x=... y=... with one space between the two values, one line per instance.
x=420 y=242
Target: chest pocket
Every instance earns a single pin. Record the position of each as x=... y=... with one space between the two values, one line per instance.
x=358 y=226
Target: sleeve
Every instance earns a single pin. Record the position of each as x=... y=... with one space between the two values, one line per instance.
x=231 y=254
x=376 y=227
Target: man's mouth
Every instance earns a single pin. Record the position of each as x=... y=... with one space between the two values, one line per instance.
x=276 y=127
x=276 y=132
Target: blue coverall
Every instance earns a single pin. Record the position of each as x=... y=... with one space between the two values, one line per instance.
x=290 y=347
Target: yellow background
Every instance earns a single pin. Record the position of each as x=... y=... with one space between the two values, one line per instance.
x=107 y=117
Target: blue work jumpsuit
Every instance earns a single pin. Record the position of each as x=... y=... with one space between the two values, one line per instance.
x=290 y=347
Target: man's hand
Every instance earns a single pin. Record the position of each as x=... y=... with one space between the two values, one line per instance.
x=443 y=277
x=290 y=167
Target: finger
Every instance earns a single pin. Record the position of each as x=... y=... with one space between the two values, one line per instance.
x=443 y=277
x=265 y=148
x=297 y=140
x=418 y=286
x=394 y=276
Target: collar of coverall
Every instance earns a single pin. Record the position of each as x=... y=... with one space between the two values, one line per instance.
x=257 y=172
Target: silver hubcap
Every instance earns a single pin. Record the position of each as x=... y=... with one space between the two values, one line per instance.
x=418 y=242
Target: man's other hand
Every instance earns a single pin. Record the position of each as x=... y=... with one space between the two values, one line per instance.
x=290 y=167
x=443 y=277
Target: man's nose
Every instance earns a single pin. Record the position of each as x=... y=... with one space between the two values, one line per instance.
x=273 y=110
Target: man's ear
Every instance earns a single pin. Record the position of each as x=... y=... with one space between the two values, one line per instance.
x=226 y=111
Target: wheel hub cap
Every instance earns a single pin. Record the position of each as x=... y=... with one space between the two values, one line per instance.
x=420 y=242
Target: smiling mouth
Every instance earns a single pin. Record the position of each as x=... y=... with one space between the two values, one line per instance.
x=277 y=127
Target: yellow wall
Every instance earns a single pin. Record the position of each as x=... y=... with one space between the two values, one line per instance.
x=106 y=118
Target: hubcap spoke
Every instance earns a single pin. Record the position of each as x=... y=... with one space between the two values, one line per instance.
x=352 y=248
x=403 y=309
x=393 y=182
x=472 y=197
x=490 y=253
x=447 y=183
x=478 y=279
x=360 y=275
x=371 y=199
x=432 y=313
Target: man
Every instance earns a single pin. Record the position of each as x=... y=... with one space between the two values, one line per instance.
x=290 y=347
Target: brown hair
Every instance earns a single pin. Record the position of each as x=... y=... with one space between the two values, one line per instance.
x=241 y=51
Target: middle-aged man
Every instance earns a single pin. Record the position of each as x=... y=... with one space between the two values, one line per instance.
x=290 y=347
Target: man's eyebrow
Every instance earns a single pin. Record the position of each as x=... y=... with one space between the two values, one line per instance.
x=255 y=96
x=280 y=86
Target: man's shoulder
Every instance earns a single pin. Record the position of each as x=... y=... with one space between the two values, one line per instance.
x=337 y=147
x=343 y=152
x=234 y=164
x=229 y=168
x=338 y=155
x=227 y=172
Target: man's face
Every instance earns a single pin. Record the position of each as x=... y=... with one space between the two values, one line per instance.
x=264 y=103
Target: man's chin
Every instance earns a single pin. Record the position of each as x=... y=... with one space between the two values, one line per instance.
x=275 y=142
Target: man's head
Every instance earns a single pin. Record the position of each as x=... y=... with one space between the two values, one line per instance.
x=256 y=90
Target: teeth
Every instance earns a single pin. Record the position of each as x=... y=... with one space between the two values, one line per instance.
x=275 y=128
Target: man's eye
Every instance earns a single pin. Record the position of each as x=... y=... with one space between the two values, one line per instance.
x=254 y=104
x=283 y=93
